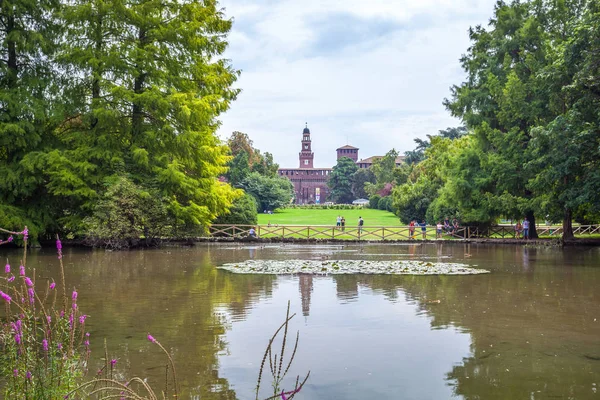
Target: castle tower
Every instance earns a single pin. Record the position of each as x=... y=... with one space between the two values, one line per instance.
x=348 y=151
x=306 y=154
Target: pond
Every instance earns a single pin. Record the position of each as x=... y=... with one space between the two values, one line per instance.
x=530 y=329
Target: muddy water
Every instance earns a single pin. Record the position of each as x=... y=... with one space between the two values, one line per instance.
x=528 y=330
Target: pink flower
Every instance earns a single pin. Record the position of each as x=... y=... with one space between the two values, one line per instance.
x=74 y=297
x=49 y=319
x=82 y=319
x=59 y=346
x=45 y=345
x=87 y=334
x=74 y=306
x=86 y=343
x=7 y=268
x=59 y=248
x=28 y=282
x=12 y=278
x=151 y=338
x=52 y=285
x=113 y=362
x=15 y=373
x=18 y=339
x=25 y=233
x=31 y=295
x=22 y=270
x=28 y=375
x=5 y=297
x=10 y=239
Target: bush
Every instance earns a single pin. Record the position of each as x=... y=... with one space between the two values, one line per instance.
x=385 y=203
x=374 y=201
x=242 y=212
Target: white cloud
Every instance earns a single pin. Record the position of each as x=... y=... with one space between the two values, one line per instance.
x=374 y=91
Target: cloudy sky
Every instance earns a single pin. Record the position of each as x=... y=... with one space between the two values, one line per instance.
x=372 y=74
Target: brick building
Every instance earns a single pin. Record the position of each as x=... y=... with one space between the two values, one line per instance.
x=310 y=184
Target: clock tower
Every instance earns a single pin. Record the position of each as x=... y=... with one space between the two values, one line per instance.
x=306 y=154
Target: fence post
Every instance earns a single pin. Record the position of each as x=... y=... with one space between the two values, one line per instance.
x=283 y=232
x=468 y=232
x=258 y=233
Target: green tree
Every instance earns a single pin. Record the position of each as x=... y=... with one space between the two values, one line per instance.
x=270 y=193
x=341 y=180
x=28 y=85
x=243 y=211
x=362 y=176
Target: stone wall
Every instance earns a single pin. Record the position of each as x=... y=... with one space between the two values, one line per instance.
x=310 y=185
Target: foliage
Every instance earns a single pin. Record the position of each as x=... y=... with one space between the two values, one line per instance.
x=247 y=159
x=386 y=204
x=418 y=154
x=125 y=213
x=115 y=93
x=242 y=212
x=341 y=180
x=44 y=345
x=374 y=201
x=270 y=193
x=360 y=178
x=384 y=170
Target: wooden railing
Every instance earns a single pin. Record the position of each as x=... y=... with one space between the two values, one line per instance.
x=383 y=232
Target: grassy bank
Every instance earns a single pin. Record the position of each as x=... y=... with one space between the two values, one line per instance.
x=328 y=217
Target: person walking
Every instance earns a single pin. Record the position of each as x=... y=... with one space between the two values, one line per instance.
x=423 y=226
x=518 y=230
x=343 y=222
x=411 y=229
x=526 y=229
x=338 y=223
x=361 y=222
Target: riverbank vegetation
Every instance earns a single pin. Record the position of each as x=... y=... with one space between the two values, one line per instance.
x=101 y=98
x=531 y=147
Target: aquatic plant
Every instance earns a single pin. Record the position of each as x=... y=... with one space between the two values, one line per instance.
x=44 y=345
x=276 y=364
x=45 y=349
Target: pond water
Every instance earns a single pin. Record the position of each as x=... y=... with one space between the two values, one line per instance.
x=528 y=330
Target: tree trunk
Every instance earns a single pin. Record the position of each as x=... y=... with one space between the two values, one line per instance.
x=13 y=71
x=138 y=88
x=568 y=225
x=532 y=228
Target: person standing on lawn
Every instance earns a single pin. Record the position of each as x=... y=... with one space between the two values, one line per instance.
x=361 y=222
x=423 y=226
x=526 y=229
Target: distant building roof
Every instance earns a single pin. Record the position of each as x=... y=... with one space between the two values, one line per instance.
x=399 y=159
x=360 y=201
x=348 y=147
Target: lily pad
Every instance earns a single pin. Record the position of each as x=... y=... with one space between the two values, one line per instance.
x=402 y=267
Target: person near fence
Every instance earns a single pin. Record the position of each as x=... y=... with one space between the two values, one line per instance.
x=343 y=222
x=423 y=226
x=252 y=232
x=447 y=226
x=338 y=222
x=518 y=229
x=525 y=228
x=361 y=222
x=411 y=229
x=438 y=231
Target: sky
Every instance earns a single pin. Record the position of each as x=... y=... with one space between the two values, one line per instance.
x=372 y=74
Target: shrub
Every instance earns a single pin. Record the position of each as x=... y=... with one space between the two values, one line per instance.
x=242 y=212
x=374 y=201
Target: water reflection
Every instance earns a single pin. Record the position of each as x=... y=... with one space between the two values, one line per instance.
x=530 y=329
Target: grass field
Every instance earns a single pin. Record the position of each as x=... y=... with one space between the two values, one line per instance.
x=328 y=217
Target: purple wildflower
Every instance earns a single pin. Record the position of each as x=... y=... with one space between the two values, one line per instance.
x=45 y=345
x=31 y=295
x=71 y=320
x=12 y=278
x=86 y=343
x=62 y=313
x=151 y=338
x=113 y=362
x=5 y=297
x=28 y=281
x=18 y=325
x=74 y=297
x=10 y=239
x=52 y=285
x=28 y=375
x=7 y=268
x=25 y=234
x=87 y=334
x=74 y=306
x=82 y=319
x=59 y=346
x=18 y=339
x=49 y=319
x=22 y=270
x=15 y=373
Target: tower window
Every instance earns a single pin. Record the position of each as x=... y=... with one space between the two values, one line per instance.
x=305 y=162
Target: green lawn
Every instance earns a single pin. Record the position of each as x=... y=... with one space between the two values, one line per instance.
x=296 y=216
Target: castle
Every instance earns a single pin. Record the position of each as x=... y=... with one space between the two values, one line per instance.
x=310 y=184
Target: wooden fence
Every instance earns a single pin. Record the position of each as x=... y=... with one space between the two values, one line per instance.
x=383 y=232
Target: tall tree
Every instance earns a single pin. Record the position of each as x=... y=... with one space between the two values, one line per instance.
x=362 y=176
x=341 y=180
x=28 y=34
